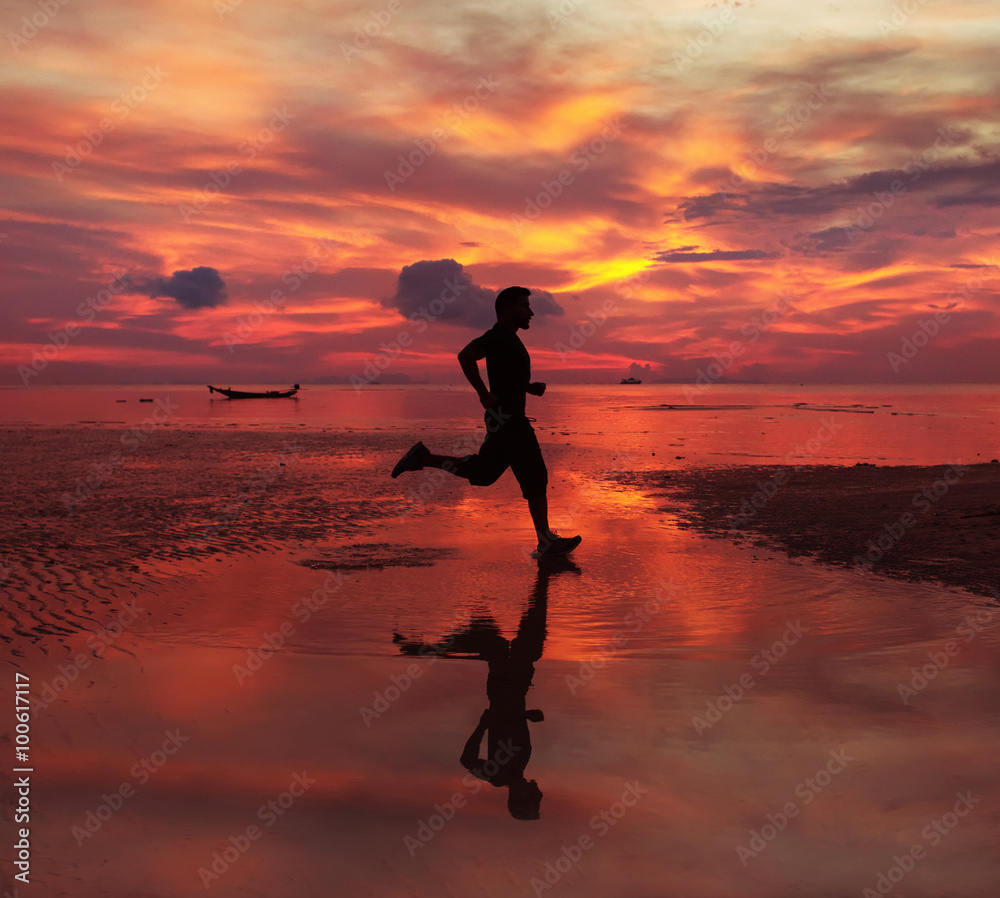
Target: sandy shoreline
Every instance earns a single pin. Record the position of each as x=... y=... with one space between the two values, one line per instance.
x=93 y=513
x=939 y=523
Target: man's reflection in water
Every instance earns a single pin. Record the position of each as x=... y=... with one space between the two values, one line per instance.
x=511 y=667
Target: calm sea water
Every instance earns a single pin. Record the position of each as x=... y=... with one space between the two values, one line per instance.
x=718 y=425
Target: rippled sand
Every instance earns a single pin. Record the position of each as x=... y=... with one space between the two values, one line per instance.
x=86 y=519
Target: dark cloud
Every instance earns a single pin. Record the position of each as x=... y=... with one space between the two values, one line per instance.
x=719 y=254
x=819 y=243
x=768 y=201
x=988 y=200
x=199 y=288
x=442 y=290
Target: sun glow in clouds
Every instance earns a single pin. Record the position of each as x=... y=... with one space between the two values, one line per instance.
x=719 y=152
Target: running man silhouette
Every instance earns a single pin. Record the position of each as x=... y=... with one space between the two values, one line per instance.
x=510 y=439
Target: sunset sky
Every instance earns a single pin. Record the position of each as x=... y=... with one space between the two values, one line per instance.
x=303 y=191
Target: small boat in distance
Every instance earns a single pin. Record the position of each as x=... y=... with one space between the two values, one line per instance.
x=631 y=380
x=243 y=394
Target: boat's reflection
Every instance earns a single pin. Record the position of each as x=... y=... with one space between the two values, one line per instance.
x=511 y=668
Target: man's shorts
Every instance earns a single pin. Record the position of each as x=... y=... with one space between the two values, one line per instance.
x=510 y=444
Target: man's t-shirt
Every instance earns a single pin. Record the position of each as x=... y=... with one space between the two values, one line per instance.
x=508 y=367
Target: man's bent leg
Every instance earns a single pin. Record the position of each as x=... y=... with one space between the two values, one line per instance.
x=418 y=457
x=450 y=463
x=529 y=469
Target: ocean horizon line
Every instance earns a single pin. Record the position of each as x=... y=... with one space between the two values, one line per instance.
x=346 y=385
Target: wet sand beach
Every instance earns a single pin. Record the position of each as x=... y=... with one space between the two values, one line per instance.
x=933 y=523
x=223 y=638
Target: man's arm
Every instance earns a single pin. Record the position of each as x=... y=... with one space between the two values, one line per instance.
x=469 y=358
x=470 y=753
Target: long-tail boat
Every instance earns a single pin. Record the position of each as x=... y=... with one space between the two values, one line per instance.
x=230 y=393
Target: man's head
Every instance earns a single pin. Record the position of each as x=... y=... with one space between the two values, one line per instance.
x=513 y=307
x=524 y=799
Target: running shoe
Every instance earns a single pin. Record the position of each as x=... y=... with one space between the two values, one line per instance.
x=412 y=460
